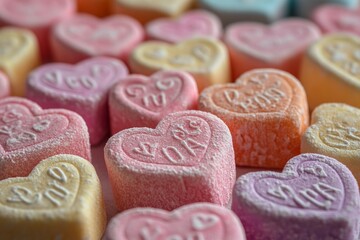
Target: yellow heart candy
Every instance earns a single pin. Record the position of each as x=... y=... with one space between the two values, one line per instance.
x=206 y=59
x=335 y=132
x=19 y=54
x=60 y=199
x=331 y=70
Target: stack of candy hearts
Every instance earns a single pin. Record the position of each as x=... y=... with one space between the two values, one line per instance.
x=179 y=120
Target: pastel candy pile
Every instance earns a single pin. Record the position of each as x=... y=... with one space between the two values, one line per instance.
x=253 y=45
x=83 y=36
x=145 y=11
x=315 y=197
x=266 y=112
x=188 y=158
x=139 y=101
x=193 y=221
x=82 y=88
x=330 y=70
x=230 y=11
x=205 y=59
x=39 y=16
x=29 y=134
x=53 y=202
x=305 y=8
x=4 y=86
x=18 y=56
x=335 y=132
x=333 y=18
x=196 y=23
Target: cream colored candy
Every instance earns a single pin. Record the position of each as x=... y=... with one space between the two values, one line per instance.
x=331 y=70
x=60 y=199
x=148 y=10
x=19 y=54
x=206 y=59
x=335 y=132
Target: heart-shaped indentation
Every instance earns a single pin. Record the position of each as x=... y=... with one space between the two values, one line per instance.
x=313 y=189
x=258 y=91
x=110 y=36
x=195 y=221
x=274 y=43
x=12 y=43
x=340 y=54
x=61 y=188
x=197 y=23
x=20 y=128
x=93 y=76
x=33 y=12
x=184 y=143
x=336 y=18
x=196 y=55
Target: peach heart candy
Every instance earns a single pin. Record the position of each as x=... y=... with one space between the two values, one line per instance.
x=193 y=221
x=60 y=199
x=266 y=112
x=139 y=101
x=18 y=56
x=196 y=23
x=29 y=134
x=148 y=10
x=4 y=85
x=335 y=18
x=204 y=58
x=335 y=132
x=188 y=158
x=82 y=88
x=83 y=36
x=331 y=70
x=36 y=15
x=254 y=45
x=315 y=197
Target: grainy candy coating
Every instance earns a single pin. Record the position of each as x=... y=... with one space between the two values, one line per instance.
x=315 y=197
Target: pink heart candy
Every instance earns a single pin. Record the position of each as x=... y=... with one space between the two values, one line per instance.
x=140 y=101
x=194 y=221
x=254 y=45
x=83 y=36
x=82 y=88
x=29 y=134
x=336 y=18
x=196 y=23
x=315 y=197
x=188 y=158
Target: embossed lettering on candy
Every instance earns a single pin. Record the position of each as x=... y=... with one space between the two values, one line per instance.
x=194 y=221
x=315 y=197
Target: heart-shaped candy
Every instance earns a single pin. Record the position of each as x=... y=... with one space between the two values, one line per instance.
x=148 y=10
x=36 y=15
x=29 y=134
x=206 y=59
x=306 y=8
x=254 y=45
x=231 y=11
x=335 y=132
x=336 y=18
x=82 y=88
x=194 y=221
x=315 y=197
x=332 y=67
x=196 y=23
x=18 y=56
x=4 y=85
x=266 y=112
x=139 y=101
x=83 y=36
x=53 y=202
x=188 y=158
